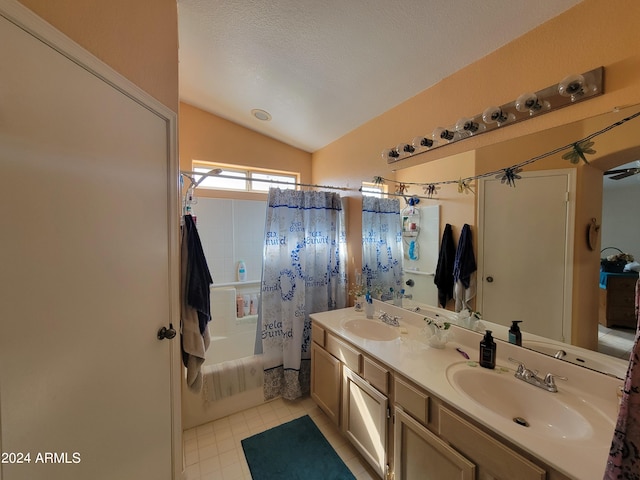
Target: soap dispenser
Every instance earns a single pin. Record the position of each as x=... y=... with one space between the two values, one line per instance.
x=515 y=335
x=488 y=351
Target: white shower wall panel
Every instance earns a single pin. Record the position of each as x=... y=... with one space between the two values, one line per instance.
x=231 y=230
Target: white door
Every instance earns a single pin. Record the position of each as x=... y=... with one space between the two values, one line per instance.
x=525 y=252
x=85 y=248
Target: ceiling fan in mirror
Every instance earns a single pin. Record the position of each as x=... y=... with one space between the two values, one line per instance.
x=620 y=173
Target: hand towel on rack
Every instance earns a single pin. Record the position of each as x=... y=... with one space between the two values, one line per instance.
x=464 y=269
x=195 y=306
x=444 y=270
x=198 y=279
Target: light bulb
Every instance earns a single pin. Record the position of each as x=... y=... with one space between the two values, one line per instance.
x=404 y=149
x=422 y=143
x=443 y=134
x=575 y=86
x=469 y=126
x=530 y=102
x=497 y=115
x=390 y=154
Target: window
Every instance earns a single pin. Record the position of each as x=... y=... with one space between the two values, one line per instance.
x=373 y=189
x=275 y=180
x=234 y=177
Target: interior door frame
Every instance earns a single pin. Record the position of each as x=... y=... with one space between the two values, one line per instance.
x=568 y=248
x=28 y=21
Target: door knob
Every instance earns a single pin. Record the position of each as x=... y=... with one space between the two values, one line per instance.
x=165 y=332
x=490 y=279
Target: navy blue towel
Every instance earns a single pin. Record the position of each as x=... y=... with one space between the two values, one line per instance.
x=198 y=279
x=465 y=261
x=444 y=270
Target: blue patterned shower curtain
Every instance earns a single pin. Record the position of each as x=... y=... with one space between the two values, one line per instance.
x=303 y=272
x=381 y=243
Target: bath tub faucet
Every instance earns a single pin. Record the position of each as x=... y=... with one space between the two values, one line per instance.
x=531 y=377
x=389 y=320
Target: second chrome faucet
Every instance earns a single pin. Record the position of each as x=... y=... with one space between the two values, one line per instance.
x=531 y=376
x=389 y=320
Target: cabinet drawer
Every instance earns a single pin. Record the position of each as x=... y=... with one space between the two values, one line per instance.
x=317 y=334
x=418 y=451
x=412 y=400
x=343 y=352
x=492 y=456
x=376 y=375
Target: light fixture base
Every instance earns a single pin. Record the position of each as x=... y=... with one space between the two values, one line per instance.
x=569 y=91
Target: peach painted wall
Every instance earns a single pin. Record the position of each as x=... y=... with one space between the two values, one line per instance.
x=592 y=34
x=207 y=137
x=137 y=38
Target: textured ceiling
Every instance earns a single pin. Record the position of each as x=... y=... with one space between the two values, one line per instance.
x=323 y=67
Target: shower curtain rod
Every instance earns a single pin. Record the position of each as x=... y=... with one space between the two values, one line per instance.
x=190 y=176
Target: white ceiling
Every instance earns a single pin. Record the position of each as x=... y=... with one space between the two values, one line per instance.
x=321 y=68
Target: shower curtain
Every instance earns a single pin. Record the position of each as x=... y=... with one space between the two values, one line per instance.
x=381 y=244
x=624 y=455
x=303 y=272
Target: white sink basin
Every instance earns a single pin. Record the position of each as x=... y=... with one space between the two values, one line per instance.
x=371 y=329
x=560 y=416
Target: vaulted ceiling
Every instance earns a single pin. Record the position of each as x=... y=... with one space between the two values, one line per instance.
x=321 y=68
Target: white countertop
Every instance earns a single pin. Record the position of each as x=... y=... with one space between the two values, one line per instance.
x=410 y=356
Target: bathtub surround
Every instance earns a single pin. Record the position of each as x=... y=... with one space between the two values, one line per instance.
x=231 y=230
x=232 y=344
x=269 y=458
x=195 y=304
x=303 y=272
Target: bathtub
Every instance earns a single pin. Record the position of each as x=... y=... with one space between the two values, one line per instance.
x=231 y=339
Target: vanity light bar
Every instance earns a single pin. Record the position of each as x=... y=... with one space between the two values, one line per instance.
x=571 y=89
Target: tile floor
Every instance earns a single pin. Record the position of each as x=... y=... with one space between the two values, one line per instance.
x=616 y=342
x=213 y=451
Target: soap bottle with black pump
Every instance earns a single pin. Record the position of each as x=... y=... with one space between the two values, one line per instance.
x=488 y=351
x=515 y=335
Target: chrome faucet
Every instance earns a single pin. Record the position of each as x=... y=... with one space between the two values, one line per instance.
x=389 y=320
x=531 y=376
x=560 y=354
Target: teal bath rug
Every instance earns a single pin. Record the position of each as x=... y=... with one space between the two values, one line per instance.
x=296 y=450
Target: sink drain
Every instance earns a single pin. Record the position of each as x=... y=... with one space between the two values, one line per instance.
x=521 y=421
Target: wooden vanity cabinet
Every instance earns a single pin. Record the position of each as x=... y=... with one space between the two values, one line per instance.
x=492 y=458
x=420 y=454
x=352 y=389
x=365 y=419
x=424 y=439
x=325 y=382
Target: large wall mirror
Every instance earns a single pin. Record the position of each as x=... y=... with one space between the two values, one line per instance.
x=549 y=269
